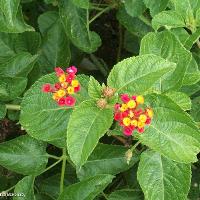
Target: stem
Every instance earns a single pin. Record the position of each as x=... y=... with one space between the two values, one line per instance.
x=99 y=14
x=51 y=166
x=198 y=44
x=145 y=20
x=12 y=107
x=63 y=171
x=54 y=157
x=104 y=195
x=134 y=146
x=9 y=189
x=120 y=43
x=121 y=139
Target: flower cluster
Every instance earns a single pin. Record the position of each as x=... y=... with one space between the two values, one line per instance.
x=64 y=89
x=130 y=114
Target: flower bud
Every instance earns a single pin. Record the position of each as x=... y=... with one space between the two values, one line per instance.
x=108 y=92
x=102 y=103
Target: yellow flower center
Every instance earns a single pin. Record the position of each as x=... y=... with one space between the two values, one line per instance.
x=75 y=83
x=141 y=124
x=70 y=90
x=140 y=99
x=143 y=118
x=61 y=93
x=131 y=104
x=124 y=107
x=134 y=123
x=62 y=78
x=126 y=121
x=150 y=112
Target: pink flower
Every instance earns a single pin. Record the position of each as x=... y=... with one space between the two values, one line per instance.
x=127 y=131
x=117 y=106
x=134 y=97
x=46 y=87
x=140 y=130
x=61 y=101
x=59 y=71
x=72 y=70
x=117 y=116
x=70 y=101
x=57 y=86
x=125 y=98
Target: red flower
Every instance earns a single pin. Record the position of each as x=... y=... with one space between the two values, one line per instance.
x=46 y=87
x=70 y=101
x=61 y=101
x=59 y=71
x=77 y=89
x=70 y=77
x=140 y=130
x=57 y=86
x=117 y=106
x=72 y=70
x=125 y=98
x=117 y=116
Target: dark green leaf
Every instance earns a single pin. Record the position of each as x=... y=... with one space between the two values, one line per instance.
x=134 y=7
x=2 y=111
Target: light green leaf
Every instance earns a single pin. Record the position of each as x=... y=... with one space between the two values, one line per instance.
x=87 y=125
x=2 y=111
x=106 y=159
x=126 y=194
x=181 y=34
x=169 y=19
x=156 y=6
x=132 y=74
x=181 y=99
x=87 y=189
x=24 y=155
x=166 y=45
x=162 y=178
x=94 y=88
x=134 y=7
x=11 y=18
x=76 y=26
x=11 y=87
x=25 y=186
x=39 y=110
x=82 y=3
x=55 y=47
x=172 y=132
x=192 y=39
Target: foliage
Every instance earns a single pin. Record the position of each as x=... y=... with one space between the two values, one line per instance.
x=152 y=90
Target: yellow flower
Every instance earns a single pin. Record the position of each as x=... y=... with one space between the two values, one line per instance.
x=62 y=78
x=55 y=96
x=141 y=124
x=131 y=114
x=143 y=118
x=75 y=83
x=150 y=112
x=64 y=85
x=140 y=99
x=134 y=123
x=126 y=121
x=70 y=90
x=61 y=93
x=131 y=104
x=124 y=107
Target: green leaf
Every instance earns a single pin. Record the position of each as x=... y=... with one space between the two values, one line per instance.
x=45 y=111
x=126 y=194
x=55 y=47
x=11 y=87
x=23 y=155
x=2 y=111
x=169 y=19
x=162 y=178
x=133 y=24
x=94 y=88
x=134 y=7
x=87 y=125
x=166 y=45
x=156 y=6
x=82 y=3
x=172 y=132
x=132 y=74
x=25 y=186
x=75 y=19
x=192 y=39
x=106 y=159
x=87 y=189
x=195 y=112
x=181 y=99
x=11 y=19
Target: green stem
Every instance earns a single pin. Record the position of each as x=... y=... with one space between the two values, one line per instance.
x=51 y=166
x=63 y=170
x=9 y=189
x=12 y=107
x=100 y=13
x=134 y=146
x=104 y=195
x=54 y=157
x=145 y=20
